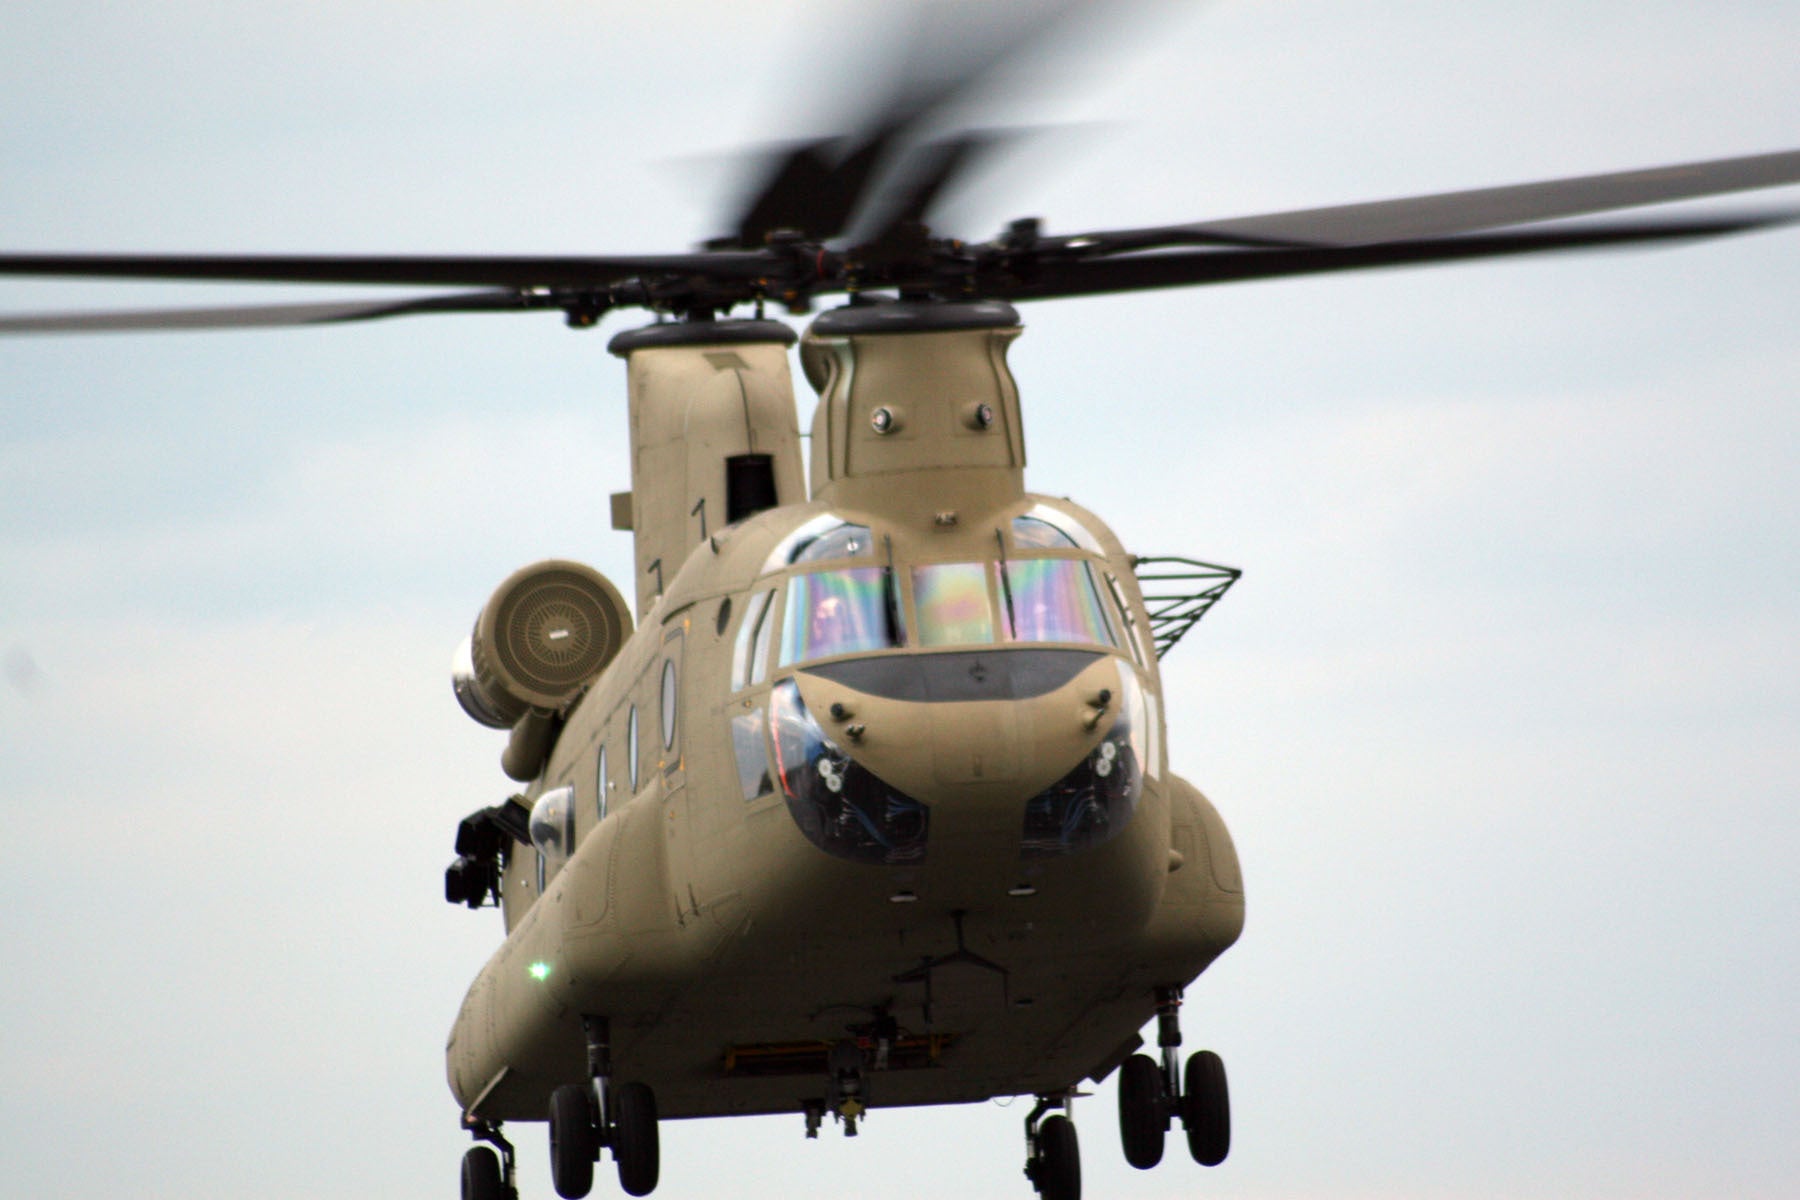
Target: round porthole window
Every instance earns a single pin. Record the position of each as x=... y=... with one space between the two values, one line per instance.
x=600 y=785
x=631 y=747
x=668 y=704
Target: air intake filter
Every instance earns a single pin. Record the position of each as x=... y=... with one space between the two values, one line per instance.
x=547 y=630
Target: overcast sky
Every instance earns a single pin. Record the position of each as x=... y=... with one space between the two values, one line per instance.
x=1504 y=716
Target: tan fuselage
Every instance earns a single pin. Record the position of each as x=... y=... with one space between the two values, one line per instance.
x=727 y=944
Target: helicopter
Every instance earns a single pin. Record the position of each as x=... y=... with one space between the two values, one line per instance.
x=725 y=528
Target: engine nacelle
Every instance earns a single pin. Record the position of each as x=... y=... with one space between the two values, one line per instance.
x=546 y=631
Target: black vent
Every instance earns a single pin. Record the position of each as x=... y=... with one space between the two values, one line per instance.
x=749 y=485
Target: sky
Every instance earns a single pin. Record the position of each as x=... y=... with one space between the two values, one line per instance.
x=1502 y=715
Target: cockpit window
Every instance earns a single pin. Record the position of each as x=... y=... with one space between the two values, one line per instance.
x=842 y=541
x=1054 y=600
x=1133 y=632
x=750 y=634
x=1046 y=528
x=952 y=601
x=822 y=538
x=840 y=612
x=1035 y=533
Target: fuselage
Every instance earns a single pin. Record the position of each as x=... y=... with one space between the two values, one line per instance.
x=886 y=765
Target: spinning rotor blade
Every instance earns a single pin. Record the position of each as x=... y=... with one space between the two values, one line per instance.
x=265 y=316
x=1122 y=273
x=818 y=188
x=1448 y=213
x=424 y=270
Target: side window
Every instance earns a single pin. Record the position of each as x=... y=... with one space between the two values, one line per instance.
x=749 y=745
x=669 y=709
x=750 y=635
x=600 y=784
x=552 y=832
x=1135 y=635
x=631 y=748
x=765 y=631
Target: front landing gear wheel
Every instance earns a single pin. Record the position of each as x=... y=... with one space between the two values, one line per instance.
x=574 y=1141
x=1058 y=1165
x=1143 y=1111
x=481 y=1175
x=1206 y=1109
x=634 y=1140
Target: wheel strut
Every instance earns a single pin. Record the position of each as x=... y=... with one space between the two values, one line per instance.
x=598 y=1031
x=1052 y=1161
x=489 y=1132
x=1168 y=1037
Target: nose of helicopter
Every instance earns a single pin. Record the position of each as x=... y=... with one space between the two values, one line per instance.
x=887 y=759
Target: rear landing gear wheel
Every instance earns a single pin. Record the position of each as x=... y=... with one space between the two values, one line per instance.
x=574 y=1140
x=1206 y=1109
x=634 y=1139
x=1058 y=1164
x=1143 y=1111
x=481 y=1175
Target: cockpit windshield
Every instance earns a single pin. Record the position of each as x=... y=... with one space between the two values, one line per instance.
x=1054 y=600
x=840 y=612
x=952 y=600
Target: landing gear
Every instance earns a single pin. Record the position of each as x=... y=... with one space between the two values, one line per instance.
x=1053 y=1156
x=847 y=1087
x=1143 y=1111
x=1206 y=1109
x=633 y=1138
x=1150 y=1095
x=585 y=1119
x=574 y=1140
x=481 y=1175
x=485 y=1175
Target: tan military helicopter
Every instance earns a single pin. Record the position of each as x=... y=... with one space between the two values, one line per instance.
x=864 y=800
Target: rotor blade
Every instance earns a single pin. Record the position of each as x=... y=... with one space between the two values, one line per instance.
x=816 y=188
x=474 y=270
x=811 y=190
x=264 y=315
x=1449 y=213
x=921 y=178
x=1086 y=277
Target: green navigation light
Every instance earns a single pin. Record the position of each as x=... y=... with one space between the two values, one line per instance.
x=540 y=971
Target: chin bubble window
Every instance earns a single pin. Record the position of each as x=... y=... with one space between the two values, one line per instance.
x=846 y=611
x=553 y=832
x=841 y=807
x=1093 y=803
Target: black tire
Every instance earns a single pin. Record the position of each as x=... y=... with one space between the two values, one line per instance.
x=634 y=1141
x=481 y=1178
x=574 y=1141
x=1206 y=1109
x=1059 y=1160
x=1143 y=1117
